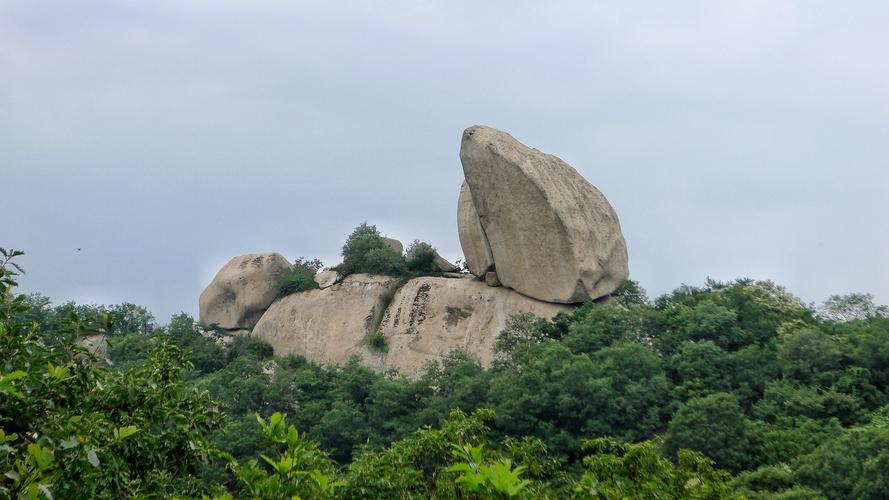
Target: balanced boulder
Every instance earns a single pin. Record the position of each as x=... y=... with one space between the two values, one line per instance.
x=553 y=236
x=475 y=246
x=242 y=290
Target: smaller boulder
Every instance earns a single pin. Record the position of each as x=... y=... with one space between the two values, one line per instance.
x=443 y=265
x=326 y=278
x=242 y=290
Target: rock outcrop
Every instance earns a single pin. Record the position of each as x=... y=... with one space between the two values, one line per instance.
x=430 y=317
x=426 y=319
x=553 y=236
x=242 y=290
x=536 y=236
x=476 y=250
x=328 y=325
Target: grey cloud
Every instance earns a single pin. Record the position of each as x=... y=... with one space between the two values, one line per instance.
x=733 y=138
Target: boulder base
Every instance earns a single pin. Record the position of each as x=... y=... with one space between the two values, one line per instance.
x=426 y=319
x=429 y=317
x=328 y=325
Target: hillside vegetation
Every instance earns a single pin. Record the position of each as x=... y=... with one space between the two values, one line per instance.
x=729 y=390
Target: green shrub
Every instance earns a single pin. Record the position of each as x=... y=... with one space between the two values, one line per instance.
x=378 y=342
x=249 y=346
x=384 y=261
x=366 y=252
x=422 y=258
x=300 y=277
x=73 y=429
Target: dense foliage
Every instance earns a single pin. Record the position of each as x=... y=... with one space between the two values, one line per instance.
x=365 y=251
x=629 y=399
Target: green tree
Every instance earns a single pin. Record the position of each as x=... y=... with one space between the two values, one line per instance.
x=618 y=470
x=715 y=426
x=366 y=252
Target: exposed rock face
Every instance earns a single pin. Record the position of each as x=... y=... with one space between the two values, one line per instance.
x=491 y=279
x=242 y=290
x=394 y=244
x=430 y=317
x=552 y=235
x=326 y=278
x=443 y=265
x=328 y=325
x=475 y=246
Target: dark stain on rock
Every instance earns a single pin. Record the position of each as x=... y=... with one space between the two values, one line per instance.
x=418 y=308
x=453 y=315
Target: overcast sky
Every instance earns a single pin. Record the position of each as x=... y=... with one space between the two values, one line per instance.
x=162 y=138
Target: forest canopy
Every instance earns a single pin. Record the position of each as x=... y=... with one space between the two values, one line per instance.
x=725 y=390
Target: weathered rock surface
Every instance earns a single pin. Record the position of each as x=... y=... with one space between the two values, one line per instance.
x=491 y=279
x=429 y=317
x=328 y=325
x=553 y=235
x=393 y=244
x=242 y=290
x=326 y=278
x=444 y=265
x=475 y=246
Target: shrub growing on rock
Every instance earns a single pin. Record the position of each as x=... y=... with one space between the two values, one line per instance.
x=300 y=277
x=366 y=252
x=421 y=258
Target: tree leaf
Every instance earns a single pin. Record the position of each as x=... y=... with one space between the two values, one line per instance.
x=92 y=457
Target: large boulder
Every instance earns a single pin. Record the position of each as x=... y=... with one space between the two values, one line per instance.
x=242 y=290
x=328 y=325
x=553 y=235
x=475 y=246
x=430 y=317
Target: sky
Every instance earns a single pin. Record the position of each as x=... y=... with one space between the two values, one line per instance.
x=145 y=143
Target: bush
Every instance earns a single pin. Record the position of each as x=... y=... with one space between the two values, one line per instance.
x=384 y=261
x=300 y=277
x=422 y=258
x=249 y=346
x=366 y=252
x=378 y=342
